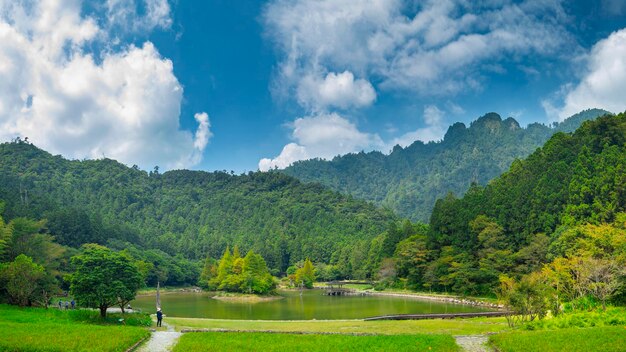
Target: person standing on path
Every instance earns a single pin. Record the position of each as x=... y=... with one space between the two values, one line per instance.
x=159 y=317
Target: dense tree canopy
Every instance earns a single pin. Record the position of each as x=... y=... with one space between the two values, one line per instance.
x=182 y=214
x=571 y=188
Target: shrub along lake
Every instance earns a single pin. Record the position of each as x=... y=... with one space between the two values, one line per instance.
x=312 y=304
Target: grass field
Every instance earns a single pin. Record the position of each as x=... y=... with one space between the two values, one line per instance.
x=388 y=327
x=606 y=339
x=219 y=341
x=37 y=329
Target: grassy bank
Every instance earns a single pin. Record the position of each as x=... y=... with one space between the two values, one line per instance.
x=439 y=296
x=387 y=327
x=219 y=341
x=607 y=339
x=37 y=329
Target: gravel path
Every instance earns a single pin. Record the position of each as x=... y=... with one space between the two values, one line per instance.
x=473 y=343
x=161 y=341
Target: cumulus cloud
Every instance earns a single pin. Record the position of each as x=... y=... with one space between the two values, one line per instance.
x=336 y=54
x=603 y=83
x=335 y=90
x=431 y=48
x=322 y=136
x=123 y=105
x=433 y=131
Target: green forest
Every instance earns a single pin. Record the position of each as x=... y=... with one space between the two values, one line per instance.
x=559 y=214
x=409 y=180
x=550 y=219
x=172 y=221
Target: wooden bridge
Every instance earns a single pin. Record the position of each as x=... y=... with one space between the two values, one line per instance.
x=439 y=316
x=335 y=288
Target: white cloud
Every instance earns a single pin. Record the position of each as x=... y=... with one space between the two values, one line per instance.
x=431 y=49
x=433 y=131
x=322 y=136
x=203 y=133
x=124 y=14
x=335 y=90
x=125 y=105
x=602 y=85
x=291 y=152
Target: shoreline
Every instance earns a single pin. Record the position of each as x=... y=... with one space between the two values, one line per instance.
x=245 y=298
x=447 y=299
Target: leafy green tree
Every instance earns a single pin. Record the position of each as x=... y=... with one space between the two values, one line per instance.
x=209 y=271
x=526 y=299
x=256 y=275
x=306 y=274
x=24 y=280
x=224 y=269
x=412 y=256
x=103 y=278
x=28 y=237
x=532 y=256
x=494 y=258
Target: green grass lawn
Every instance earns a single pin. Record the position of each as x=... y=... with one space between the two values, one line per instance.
x=386 y=327
x=37 y=329
x=606 y=339
x=219 y=341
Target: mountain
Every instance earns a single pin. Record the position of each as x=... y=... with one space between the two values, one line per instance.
x=409 y=180
x=185 y=213
x=573 y=178
x=567 y=197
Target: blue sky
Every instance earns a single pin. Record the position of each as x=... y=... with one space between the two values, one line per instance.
x=238 y=85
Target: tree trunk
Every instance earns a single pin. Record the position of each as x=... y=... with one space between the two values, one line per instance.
x=103 y=311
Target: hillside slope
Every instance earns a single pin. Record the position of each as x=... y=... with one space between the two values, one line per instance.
x=188 y=213
x=568 y=196
x=409 y=180
x=577 y=178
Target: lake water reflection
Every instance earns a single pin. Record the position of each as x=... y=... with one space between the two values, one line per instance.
x=313 y=304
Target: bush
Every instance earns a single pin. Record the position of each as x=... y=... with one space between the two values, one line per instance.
x=581 y=319
x=93 y=317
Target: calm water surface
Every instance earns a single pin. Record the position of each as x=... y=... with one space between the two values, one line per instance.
x=313 y=304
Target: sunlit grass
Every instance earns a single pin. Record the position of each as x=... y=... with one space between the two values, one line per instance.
x=37 y=329
x=386 y=327
x=218 y=341
x=606 y=339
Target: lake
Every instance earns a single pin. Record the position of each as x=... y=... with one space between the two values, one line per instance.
x=313 y=304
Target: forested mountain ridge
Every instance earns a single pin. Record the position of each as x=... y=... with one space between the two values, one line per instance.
x=566 y=200
x=572 y=179
x=409 y=180
x=181 y=212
